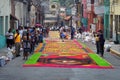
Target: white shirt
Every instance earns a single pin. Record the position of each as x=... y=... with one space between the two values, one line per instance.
x=11 y=35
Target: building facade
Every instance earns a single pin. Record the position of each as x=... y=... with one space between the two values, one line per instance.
x=84 y=16
x=22 y=14
x=99 y=14
x=107 y=22
x=5 y=11
x=115 y=20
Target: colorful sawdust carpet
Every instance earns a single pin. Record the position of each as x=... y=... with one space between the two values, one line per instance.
x=68 y=54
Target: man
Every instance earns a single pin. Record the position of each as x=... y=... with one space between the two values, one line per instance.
x=101 y=41
x=72 y=32
x=17 y=38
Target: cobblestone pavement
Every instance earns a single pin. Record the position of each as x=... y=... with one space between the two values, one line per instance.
x=14 y=71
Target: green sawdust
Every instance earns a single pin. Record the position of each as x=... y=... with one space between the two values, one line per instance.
x=33 y=59
x=100 y=61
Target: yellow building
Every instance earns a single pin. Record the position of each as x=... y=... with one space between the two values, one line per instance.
x=115 y=20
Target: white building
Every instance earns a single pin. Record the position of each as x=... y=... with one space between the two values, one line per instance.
x=21 y=12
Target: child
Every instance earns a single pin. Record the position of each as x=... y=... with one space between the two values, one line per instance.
x=26 y=48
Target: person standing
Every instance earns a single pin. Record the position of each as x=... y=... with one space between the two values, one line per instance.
x=101 y=41
x=72 y=32
x=47 y=31
x=7 y=37
x=32 y=40
x=17 y=38
x=41 y=37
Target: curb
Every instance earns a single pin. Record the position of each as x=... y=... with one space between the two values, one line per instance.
x=115 y=52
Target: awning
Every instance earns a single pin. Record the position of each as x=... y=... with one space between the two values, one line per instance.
x=13 y=17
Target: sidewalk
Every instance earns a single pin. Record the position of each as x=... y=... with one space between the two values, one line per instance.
x=115 y=49
x=3 y=51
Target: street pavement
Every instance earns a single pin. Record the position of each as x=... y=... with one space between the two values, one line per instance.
x=13 y=70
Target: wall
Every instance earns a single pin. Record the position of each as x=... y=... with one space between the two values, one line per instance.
x=19 y=12
x=5 y=10
x=115 y=23
x=116 y=8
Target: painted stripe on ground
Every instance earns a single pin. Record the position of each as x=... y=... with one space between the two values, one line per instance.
x=100 y=61
x=33 y=59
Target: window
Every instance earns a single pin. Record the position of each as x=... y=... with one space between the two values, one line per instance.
x=119 y=25
x=6 y=23
x=1 y=24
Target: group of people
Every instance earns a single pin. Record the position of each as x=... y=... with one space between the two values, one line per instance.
x=26 y=39
x=74 y=33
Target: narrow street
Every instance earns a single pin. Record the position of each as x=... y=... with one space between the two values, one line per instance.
x=59 y=39
x=15 y=70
